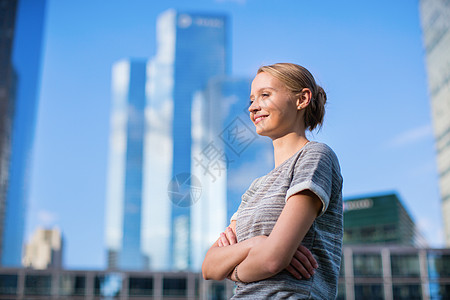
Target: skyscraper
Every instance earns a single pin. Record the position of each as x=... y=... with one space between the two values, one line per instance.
x=192 y=49
x=197 y=132
x=379 y=219
x=26 y=62
x=435 y=15
x=44 y=250
x=124 y=194
x=8 y=10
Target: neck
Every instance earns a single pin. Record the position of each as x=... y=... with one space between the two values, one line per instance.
x=287 y=145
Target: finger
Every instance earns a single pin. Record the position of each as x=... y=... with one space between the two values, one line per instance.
x=224 y=239
x=304 y=261
x=294 y=272
x=300 y=268
x=309 y=255
x=219 y=242
x=231 y=236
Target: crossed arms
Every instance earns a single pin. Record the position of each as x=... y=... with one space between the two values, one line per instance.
x=262 y=257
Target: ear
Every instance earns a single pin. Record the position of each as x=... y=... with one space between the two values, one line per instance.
x=304 y=98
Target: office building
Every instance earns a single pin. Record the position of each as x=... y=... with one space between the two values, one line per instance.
x=367 y=272
x=28 y=33
x=435 y=17
x=198 y=53
x=379 y=219
x=191 y=49
x=44 y=250
x=197 y=143
x=8 y=10
x=124 y=191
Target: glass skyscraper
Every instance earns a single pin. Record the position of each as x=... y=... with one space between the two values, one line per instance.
x=8 y=11
x=198 y=143
x=192 y=49
x=26 y=62
x=435 y=15
x=124 y=195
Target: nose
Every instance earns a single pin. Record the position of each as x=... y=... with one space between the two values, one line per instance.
x=254 y=106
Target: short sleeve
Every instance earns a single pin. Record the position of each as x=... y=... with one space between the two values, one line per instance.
x=314 y=171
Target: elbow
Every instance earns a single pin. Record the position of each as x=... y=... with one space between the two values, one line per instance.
x=208 y=275
x=275 y=265
x=205 y=273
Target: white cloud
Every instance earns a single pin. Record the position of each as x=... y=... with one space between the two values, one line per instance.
x=411 y=136
x=47 y=218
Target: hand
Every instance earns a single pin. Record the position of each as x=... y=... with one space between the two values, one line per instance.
x=302 y=264
x=227 y=238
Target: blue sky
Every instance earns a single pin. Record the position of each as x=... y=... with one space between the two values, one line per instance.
x=368 y=56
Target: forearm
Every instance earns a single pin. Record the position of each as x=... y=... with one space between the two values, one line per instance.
x=220 y=261
x=259 y=264
x=276 y=252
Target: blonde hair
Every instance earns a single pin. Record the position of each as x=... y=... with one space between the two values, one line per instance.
x=296 y=78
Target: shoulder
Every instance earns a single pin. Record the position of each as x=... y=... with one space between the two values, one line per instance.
x=318 y=150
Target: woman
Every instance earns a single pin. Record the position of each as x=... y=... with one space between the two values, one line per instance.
x=299 y=201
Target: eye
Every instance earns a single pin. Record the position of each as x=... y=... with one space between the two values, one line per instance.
x=265 y=95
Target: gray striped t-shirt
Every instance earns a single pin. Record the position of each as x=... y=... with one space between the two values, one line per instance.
x=315 y=167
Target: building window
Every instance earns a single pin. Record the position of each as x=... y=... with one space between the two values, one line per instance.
x=439 y=291
x=140 y=286
x=369 y=291
x=367 y=265
x=108 y=285
x=38 y=284
x=407 y=291
x=70 y=285
x=217 y=290
x=438 y=265
x=405 y=265
x=8 y=284
x=174 y=286
x=341 y=292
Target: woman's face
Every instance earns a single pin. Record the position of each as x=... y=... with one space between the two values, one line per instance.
x=273 y=107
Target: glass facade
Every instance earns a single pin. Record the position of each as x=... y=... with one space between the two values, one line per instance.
x=379 y=219
x=197 y=144
x=407 y=291
x=140 y=286
x=436 y=36
x=124 y=209
x=8 y=17
x=72 y=285
x=191 y=51
x=369 y=291
x=26 y=61
x=38 y=284
x=405 y=265
x=8 y=284
x=200 y=54
x=397 y=266
x=367 y=265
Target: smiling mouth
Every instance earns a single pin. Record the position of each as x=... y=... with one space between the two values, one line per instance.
x=259 y=119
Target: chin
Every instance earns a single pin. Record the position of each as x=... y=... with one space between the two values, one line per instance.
x=260 y=131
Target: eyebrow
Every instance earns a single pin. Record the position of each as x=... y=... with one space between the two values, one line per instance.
x=265 y=88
